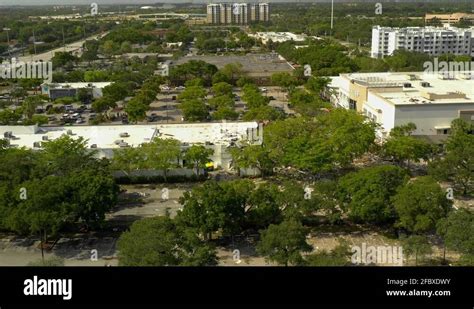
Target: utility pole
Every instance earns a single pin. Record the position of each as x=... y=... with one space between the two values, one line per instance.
x=64 y=41
x=34 y=41
x=332 y=15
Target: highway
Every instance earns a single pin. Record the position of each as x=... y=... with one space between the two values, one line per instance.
x=46 y=56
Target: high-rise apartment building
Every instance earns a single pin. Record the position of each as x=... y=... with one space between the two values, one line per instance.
x=434 y=41
x=237 y=13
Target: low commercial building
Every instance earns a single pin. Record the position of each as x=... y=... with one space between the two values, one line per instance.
x=59 y=90
x=450 y=18
x=278 y=37
x=429 y=101
x=105 y=139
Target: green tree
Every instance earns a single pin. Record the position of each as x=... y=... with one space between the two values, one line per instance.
x=128 y=159
x=284 y=243
x=252 y=156
x=222 y=88
x=329 y=141
x=103 y=104
x=221 y=101
x=64 y=155
x=118 y=91
x=457 y=164
x=9 y=116
x=93 y=193
x=253 y=97
x=19 y=93
x=420 y=204
x=39 y=120
x=194 y=110
x=61 y=59
x=418 y=246
x=192 y=92
x=284 y=80
x=263 y=113
x=403 y=147
x=136 y=110
x=225 y=112
x=264 y=207
x=84 y=95
x=316 y=85
x=30 y=104
x=457 y=230
x=215 y=206
x=307 y=104
x=44 y=212
x=366 y=194
x=159 y=241
x=197 y=156
x=162 y=154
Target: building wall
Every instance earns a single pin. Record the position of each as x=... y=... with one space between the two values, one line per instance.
x=357 y=93
x=386 y=118
x=429 y=116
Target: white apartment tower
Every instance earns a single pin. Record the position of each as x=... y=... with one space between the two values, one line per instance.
x=434 y=41
x=237 y=13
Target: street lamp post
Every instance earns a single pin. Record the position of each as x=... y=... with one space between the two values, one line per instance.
x=8 y=39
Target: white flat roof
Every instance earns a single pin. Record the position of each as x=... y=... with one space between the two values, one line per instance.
x=390 y=87
x=78 y=85
x=106 y=136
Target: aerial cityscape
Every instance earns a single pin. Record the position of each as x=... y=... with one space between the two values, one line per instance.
x=331 y=133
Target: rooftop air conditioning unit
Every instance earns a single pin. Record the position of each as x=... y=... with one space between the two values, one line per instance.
x=425 y=84
x=8 y=134
x=44 y=138
x=407 y=85
x=37 y=145
x=69 y=132
x=124 y=134
x=94 y=146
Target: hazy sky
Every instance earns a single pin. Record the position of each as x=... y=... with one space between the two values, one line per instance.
x=80 y=2
x=85 y=2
